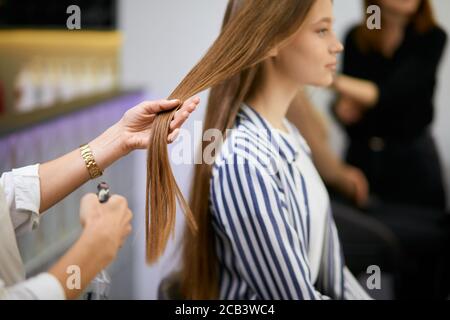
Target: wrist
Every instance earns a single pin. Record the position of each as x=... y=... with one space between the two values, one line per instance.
x=97 y=246
x=109 y=146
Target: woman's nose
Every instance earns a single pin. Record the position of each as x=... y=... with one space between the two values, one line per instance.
x=337 y=47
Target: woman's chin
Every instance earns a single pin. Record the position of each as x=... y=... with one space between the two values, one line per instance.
x=325 y=82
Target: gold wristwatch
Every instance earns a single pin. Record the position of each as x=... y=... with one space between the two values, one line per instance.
x=91 y=165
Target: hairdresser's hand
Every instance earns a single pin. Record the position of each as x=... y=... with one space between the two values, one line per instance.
x=355 y=185
x=107 y=225
x=137 y=122
x=105 y=228
x=133 y=130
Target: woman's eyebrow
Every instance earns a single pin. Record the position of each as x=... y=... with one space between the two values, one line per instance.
x=325 y=19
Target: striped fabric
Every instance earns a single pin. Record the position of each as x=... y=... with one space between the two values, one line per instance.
x=262 y=221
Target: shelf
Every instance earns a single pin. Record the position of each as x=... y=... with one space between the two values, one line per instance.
x=13 y=122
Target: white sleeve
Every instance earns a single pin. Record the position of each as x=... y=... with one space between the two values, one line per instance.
x=23 y=197
x=41 y=287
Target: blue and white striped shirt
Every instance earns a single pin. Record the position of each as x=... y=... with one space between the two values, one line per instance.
x=274 y=231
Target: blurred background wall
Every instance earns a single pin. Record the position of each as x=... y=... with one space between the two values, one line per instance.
x=163 y=39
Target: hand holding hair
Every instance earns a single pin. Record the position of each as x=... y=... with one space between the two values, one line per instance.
x=136 y=124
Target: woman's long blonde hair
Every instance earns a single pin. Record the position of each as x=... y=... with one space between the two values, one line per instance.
x=250 y=30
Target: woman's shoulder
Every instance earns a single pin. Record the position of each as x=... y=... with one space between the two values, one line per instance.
x=298 y=137
x=245 y=144
x=430 y=43
x=436 y=35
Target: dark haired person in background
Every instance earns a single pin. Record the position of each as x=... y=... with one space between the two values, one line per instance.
x=385 y=104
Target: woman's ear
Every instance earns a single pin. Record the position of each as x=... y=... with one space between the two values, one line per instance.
x=273 y=52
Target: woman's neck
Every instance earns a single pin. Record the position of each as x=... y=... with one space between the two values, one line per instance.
x=273 y=95
x=392 y=21
x=393 y=31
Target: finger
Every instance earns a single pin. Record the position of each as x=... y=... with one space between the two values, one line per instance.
x=173 y=136
x=154 y=107
x=89 y=197
x=179 y=114
x=189 y=106
x=128 y=216
x=126 y=232
x=88 y=201
x=116 y=199
x=179 y=120
x=183 y=114
x=87 y=207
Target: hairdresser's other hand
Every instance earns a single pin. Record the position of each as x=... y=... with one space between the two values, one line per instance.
x=348 y=111
x=137 y=122
x=107 y=225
